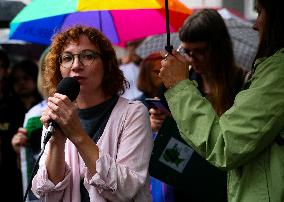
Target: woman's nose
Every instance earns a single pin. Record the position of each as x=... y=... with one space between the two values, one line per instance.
x=76 y=63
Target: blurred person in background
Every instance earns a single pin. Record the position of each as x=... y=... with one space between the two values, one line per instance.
x=247 y=139
x=101 y=148
x=209 y=61
x=20 y=138
x=23 y=78
x=131 y=56
x=130 y=68
x=150 y=83
x=11 y=117
x=23 y=84
x=148 y=80
x=29 y=136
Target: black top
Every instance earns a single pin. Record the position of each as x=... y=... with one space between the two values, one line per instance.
x=93 y=121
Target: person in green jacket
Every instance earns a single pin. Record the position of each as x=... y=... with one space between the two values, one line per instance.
x=247 y=140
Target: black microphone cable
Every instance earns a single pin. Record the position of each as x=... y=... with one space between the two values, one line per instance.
x=47 y=136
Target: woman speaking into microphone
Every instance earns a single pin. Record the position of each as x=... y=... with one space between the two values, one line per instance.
x=101 y=146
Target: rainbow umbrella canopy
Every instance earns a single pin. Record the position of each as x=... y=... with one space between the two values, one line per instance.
x=119 y=20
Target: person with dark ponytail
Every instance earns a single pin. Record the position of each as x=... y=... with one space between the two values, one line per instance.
x=247 y=139
x=206 y=43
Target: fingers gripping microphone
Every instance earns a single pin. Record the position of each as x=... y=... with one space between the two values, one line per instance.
x=69 y=87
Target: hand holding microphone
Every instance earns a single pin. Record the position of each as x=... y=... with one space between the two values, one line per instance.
x=60 y=109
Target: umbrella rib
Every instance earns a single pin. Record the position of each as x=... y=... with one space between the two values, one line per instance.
x=116 y=31
x=100 y=21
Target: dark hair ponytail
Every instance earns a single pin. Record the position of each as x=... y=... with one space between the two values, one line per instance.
x=272 y=37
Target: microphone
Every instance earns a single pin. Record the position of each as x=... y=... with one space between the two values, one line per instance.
x=69 y=87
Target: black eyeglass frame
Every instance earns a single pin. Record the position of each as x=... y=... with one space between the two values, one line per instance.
x=80 y=55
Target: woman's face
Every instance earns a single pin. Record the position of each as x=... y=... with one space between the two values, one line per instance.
x=82 y=61
x=259 y=24
x=24 y=85
x=155 y=73
x=198 y=55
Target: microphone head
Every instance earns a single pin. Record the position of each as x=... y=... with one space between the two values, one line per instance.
x=70 y=87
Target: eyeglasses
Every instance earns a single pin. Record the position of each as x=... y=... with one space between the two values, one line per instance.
x=198 y=53
x=86 y=58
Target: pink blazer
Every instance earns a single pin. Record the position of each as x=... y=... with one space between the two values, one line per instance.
x=122 y=168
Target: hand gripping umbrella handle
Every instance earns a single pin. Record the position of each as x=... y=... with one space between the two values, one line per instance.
x=169 y=48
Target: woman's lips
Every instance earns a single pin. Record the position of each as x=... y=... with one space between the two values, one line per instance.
x=78 y=78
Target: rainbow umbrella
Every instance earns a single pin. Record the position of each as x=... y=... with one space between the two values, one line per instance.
x=119 y=20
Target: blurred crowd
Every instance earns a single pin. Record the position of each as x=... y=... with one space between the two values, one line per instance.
x=18 y=94
x=204 y=64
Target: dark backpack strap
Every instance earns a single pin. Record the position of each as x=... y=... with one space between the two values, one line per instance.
x=102 y=123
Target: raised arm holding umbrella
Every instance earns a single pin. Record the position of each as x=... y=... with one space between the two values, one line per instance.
x=247 y=139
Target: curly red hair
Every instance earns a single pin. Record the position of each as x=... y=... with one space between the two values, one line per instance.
x=113 y=80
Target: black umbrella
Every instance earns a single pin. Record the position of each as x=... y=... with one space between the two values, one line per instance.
x=244 y=38
x=17 y=49
x=9 y=9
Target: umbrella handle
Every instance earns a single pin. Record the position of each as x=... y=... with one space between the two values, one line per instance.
x=169 y=48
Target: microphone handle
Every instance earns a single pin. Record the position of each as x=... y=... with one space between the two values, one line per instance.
x=49 y=132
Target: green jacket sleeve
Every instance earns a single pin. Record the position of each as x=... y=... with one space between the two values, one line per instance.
x=243 y=131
